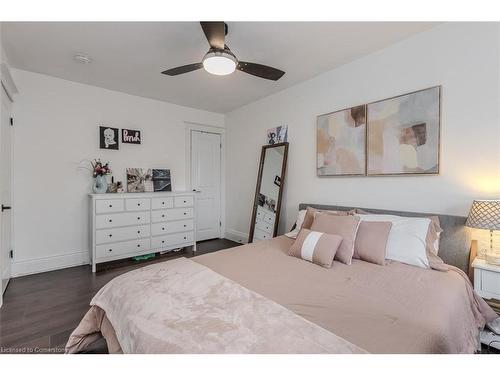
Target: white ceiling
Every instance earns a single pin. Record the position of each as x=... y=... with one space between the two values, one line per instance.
x=129 y=56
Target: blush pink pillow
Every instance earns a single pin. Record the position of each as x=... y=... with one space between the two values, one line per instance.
x=312 y=212
x=371 y=241
x=318 y=248
x=343 y=226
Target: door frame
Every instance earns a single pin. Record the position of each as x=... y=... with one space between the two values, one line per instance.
x=9 y=87
x=193 y=126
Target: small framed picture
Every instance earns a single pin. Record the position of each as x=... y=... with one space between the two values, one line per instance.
x=131 y=136
x=277 y=181
x=162 y=180
x=108 y=138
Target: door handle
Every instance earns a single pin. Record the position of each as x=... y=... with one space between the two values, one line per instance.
x=196 y=191
x=5 y=208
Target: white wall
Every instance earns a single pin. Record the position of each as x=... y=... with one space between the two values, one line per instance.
x=463 y=58
x=56 y=127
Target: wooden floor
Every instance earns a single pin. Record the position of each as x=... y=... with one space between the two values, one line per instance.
x=40 y=311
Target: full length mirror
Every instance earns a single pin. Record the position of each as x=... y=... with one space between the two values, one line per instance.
x=270 y=183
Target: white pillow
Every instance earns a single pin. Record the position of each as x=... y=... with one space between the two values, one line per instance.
x=298 y=224
x=407 y=238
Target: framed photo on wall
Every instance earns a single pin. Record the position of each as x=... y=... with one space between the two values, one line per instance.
x=108 y=138
x=341 y=143
x=403 y=134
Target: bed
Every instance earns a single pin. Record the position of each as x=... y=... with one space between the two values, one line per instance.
x=257 y=299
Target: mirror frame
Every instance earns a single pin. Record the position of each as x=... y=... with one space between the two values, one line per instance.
x=259 y=182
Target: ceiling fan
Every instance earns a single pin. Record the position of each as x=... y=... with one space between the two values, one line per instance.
x=220 y=60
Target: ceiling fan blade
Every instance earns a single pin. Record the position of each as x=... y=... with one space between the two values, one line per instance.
x=259 y=70
x=183 y=69
x=215 y=33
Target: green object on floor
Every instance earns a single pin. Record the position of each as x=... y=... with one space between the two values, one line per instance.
x=144 y=257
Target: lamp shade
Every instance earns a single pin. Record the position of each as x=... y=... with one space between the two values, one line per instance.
x=484 y=214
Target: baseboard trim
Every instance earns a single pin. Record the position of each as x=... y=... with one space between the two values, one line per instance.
x=236 y=236
x=50 y=263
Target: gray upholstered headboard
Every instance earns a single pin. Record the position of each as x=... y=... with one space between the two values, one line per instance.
x=454 y=246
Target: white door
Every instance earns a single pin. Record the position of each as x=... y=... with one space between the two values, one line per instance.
x=5 y=189
x=206 y=180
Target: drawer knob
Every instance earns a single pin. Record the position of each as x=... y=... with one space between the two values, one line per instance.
x=184 y=201
x=110 y=205
x=162 y=202
x=185 y=225
x=110 y=250
x=138 y=231
x=139 y=245
x=138 y=204
x=163 y=228
x=111 y=235
x=110 y=220
x=185 y=213
x=138 y=218
x=184 y=237
x=162 y=215
x=163 y=241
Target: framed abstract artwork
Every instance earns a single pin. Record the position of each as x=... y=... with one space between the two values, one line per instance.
x=403 y=134
x=341 y=143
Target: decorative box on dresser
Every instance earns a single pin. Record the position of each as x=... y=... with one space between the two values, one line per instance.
x=125 y=225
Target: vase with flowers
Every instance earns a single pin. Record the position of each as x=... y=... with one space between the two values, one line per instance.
x=99 y=171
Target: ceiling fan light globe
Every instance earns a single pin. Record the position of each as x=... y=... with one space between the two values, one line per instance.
x=219 y=63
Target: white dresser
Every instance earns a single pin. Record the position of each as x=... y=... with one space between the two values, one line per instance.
x=264 y=224
x=130 y=224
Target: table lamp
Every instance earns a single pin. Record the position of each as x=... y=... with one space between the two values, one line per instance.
x=485 y=214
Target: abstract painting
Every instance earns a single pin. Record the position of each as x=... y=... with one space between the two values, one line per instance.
x=161 y=180
x=341 y=142
x=139 y=180
x=403 y=134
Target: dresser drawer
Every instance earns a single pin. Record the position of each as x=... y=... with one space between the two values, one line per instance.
x=171 y=214
x=262 y=225
x=122 y=219
x=139 y=204
x=259 y=214
x=490 y=282
x=171 y=240
x=108 y=205
x=261 y=235
x=121 y=234
x=269 y=219
x=159 y=203
x=171 y=227
x=184 y=201
x=120 y=248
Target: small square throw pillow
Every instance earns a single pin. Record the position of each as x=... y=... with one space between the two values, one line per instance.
x=371 y=241
x=316 y=247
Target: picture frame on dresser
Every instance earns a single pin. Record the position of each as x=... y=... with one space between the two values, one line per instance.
x=125 y=225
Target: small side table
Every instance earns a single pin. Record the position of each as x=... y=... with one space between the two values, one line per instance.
x=487 y=285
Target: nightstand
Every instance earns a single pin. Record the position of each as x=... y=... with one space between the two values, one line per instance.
x=487 y=281
x=487 y=285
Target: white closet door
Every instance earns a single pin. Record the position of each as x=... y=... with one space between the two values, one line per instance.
x=206 y=179
x=5 y=190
